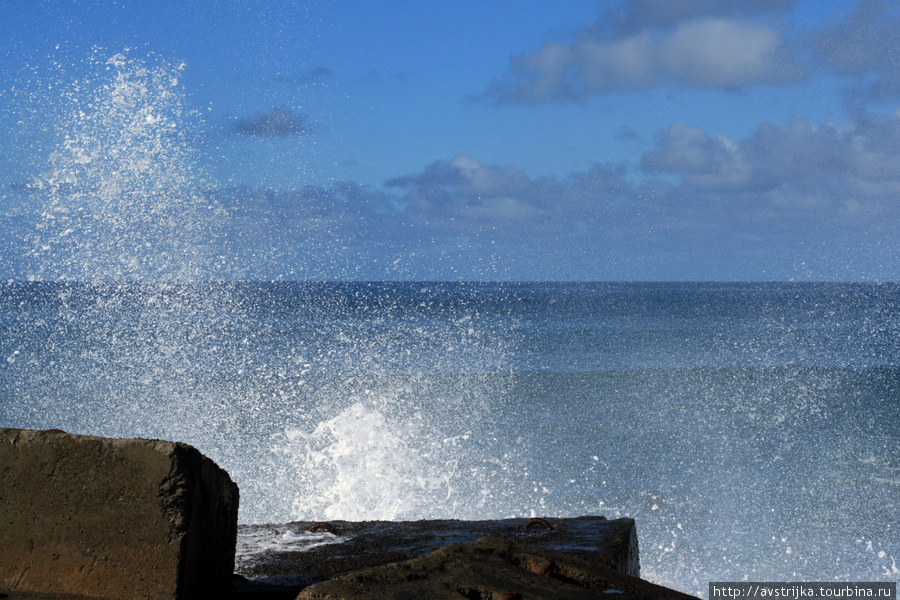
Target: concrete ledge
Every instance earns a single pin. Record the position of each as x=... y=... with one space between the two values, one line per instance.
x=540 y=558
x=113 y=518
x=348 y=546
x=490 y=569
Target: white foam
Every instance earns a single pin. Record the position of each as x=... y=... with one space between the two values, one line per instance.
x=255 y=541
x=359 y=466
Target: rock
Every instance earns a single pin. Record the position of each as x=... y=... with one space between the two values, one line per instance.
x=347 y=546
x=490 y=569
x=113 y=518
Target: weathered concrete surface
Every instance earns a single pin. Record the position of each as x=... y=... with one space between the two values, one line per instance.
x=490 y=569
x=346 y=546
x=113 y=518
x=319 y=553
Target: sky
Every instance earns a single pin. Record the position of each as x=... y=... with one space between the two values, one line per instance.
x=627 y=140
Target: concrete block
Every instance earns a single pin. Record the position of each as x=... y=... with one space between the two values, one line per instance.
x=113 y=518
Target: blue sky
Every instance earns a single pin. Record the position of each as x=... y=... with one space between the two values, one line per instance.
x=727 y=140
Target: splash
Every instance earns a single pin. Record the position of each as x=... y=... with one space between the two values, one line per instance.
x=367 y=396
x=125 y=252
x=358 y=466
x=122 y=194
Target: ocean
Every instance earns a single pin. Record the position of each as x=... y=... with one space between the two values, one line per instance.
x=751 y=430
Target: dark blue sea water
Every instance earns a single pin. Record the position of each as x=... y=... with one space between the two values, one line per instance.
x=752 y=430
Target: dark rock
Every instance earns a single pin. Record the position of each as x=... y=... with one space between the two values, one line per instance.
x=490 y=569
x=348 y=546
x=113 y=518
x=322 y=526
x=572 y=558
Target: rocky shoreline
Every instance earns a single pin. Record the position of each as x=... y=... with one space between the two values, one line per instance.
x=91 y=517
x=584 y=557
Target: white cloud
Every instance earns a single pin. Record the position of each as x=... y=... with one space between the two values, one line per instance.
x=463 y=187
x=695 y=46
x=629 y=63
x=722 y=53
x=826 y=169
x=708 y=44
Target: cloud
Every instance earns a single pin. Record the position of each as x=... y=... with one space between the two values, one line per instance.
x=456 y=218
x=281 y=121
x=725 y=54
x=802 y=168
x=468 y=176
x=461 y=192
x=628 y=134
x=864 y=48
x=626 y=18
x=708 y=44
x=448 y=199
x=305 y=78
x=699 y=206
x=803 y=200
x=650 y=43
